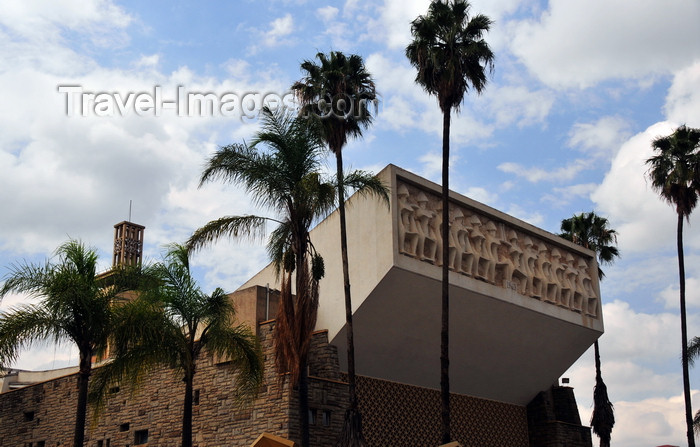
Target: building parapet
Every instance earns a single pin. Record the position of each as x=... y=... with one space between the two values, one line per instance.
x=494 y=250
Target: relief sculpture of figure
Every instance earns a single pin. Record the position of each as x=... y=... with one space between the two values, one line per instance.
x=426 y=246
x=435 y=227
x=584 y=289
x=457 y=232
x=511 y=263
x=466 y=262
x=408 y=228
x=477 y=241
x=528 y=264
x=541 y=272
x=555 y=277
x=568 y=285
x=489 y=253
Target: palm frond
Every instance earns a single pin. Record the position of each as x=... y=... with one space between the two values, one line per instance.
x=693 y=350
x=592 y=231
x=25 y=325
x=336 y=93
x=366 y=184
x=674 y=170
x=278 y=243
x=235 y=227
x=449 y=52
x=603 y=417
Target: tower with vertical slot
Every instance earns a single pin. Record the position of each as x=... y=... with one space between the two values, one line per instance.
x=128 y=244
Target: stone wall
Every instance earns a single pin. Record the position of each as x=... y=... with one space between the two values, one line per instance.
x=554 y=420
x=45 y=412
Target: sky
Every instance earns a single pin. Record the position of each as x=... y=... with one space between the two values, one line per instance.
x=564 y=125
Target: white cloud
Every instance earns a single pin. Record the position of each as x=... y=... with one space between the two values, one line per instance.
x=480 y=195
x=277 y=34
x=559 y=197
x=683 y=99
x=517 y=104
x=670 y=296
x=532 y=217
x=640 y=367
x=579 y=44
x=279 y=28
x=150 y=61
x=432 y=164
x=327 y=13
x=642 y=219
x=640 y=337
x=393 y=26
x=536 y=174
x=662 y=420
x=602 y=138
x=43 y=22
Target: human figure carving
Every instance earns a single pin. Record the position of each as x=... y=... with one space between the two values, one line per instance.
x=408 y=228
x=489 y=253
x=477 y=240
x=426 y=247
x=514 y=275
x=529 y=266
x=568 y=285
x=584 y=289
x=435 y=226
x=541 y=273
x=555 y=276
x=466 y=262
x=457 y=232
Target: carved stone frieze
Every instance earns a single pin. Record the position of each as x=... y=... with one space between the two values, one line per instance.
x=494 y=251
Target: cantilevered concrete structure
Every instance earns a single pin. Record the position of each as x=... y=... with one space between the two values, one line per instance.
x=524 y=303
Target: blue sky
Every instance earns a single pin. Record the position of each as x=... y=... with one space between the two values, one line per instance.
x=564 y=126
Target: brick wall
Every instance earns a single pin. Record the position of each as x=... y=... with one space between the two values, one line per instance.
x=395 y=414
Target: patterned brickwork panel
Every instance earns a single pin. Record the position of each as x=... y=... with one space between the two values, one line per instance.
x=398 y=415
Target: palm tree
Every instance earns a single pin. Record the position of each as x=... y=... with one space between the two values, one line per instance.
x=451 y=56
x=170 y=324
x=675 y=174
x=280 y=169
x=75 y=306
x=594 y=233
x=337 y=92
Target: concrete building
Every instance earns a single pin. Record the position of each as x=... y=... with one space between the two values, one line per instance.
x=525 y=304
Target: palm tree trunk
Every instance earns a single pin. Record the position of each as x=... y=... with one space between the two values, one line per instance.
x=187 y=411
x=303 y=385
x=351 y=435
x=603 y=418
x=304 y=405
x=684 y=336
x=81 y=411
x=445 y=330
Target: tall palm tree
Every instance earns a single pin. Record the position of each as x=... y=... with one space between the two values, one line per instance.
x=451 y=56
x=75 y=306
x=593 y=232
x=170 y=324
x=675 y=174
x=280 y=169
x=337 y=91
